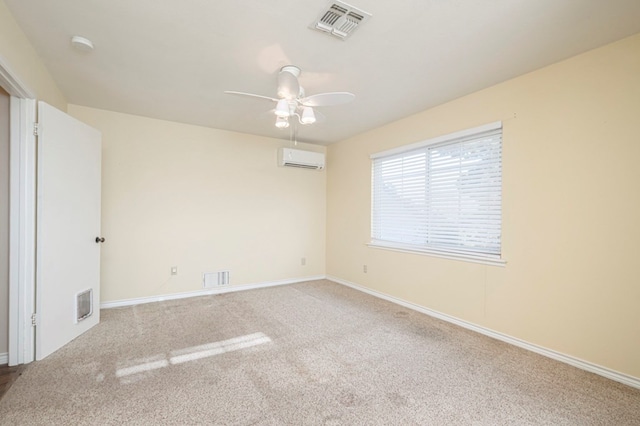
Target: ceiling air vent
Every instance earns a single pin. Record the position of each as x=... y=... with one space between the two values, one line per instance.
x=340 y=19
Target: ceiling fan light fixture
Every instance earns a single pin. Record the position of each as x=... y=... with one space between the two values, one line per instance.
x=282 y=123
x=292 y=102
x=308 y=117
x=282 y=108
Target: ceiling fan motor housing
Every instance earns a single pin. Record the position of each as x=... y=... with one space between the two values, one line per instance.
x=292 y=69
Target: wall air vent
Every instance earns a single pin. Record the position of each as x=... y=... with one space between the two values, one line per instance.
x=214 y=279
x=340 y=19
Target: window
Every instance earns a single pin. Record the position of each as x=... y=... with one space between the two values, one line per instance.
x=441 y=196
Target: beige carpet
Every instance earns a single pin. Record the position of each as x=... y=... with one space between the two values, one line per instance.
x=305 y=354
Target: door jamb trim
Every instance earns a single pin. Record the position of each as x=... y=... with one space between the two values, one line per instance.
x=22 y=216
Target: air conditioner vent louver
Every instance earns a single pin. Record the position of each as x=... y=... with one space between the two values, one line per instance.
x=300 y=166
x=332 y=15
x=340 y=19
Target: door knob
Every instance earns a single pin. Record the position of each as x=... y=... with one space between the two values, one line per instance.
x=99 y=240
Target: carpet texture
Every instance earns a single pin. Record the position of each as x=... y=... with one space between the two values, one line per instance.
x=313 y=353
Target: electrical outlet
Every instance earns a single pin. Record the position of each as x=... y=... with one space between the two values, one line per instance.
x=364 y=268
x=303 y=261
x=174 y=270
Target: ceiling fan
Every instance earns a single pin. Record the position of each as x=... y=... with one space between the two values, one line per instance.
x=292 y=102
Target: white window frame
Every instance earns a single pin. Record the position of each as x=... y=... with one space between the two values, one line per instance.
x=435 y=250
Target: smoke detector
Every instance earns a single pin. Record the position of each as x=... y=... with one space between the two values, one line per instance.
x=82 y=44
x=340 y=19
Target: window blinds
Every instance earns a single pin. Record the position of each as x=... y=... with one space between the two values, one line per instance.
x=442 y=196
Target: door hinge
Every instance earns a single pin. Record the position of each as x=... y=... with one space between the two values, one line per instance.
x=34 y=319
x=36 y=129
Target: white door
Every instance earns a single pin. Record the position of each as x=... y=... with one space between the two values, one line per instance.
x=68 y=223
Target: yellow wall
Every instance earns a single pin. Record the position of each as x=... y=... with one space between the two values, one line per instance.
x=203 y=200
x=17 y=53
x=571 y=211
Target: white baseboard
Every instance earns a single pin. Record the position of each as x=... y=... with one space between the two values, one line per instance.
x=4 y=358
x=207 y=292
x=567 y=359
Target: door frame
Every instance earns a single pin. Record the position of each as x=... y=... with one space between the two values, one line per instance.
x=22 y=216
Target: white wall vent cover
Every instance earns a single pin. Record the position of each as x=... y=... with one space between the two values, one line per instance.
x=340 y=19
x=214 y=279
x=288 y=157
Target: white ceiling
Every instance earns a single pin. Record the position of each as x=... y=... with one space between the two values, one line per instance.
x=172 y=59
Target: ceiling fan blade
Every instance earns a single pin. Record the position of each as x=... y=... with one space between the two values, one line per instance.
x=288 y=86
x=328 y=99
x=231 y=92
x=320 y=117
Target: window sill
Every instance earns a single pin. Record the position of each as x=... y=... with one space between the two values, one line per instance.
x=485 y=260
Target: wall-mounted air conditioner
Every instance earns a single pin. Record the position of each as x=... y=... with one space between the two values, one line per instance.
x=288 y=157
